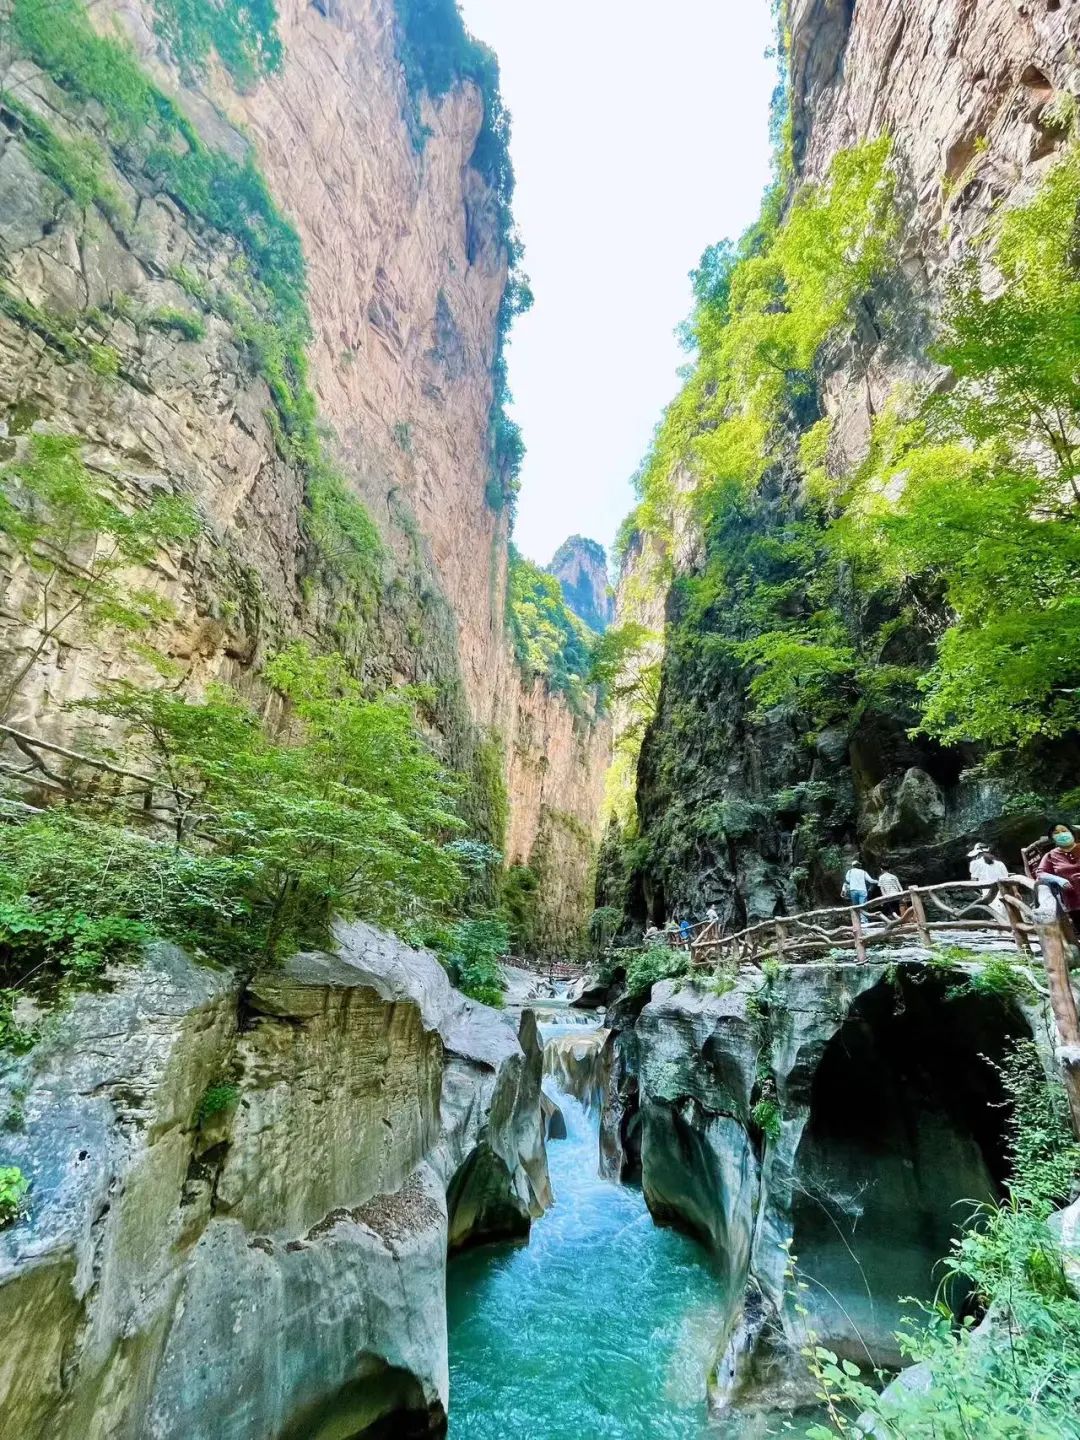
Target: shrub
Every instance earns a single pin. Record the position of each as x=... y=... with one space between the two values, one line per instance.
x=216 y=1100
x=13 y=1192
x=658 y=962
x=16 y=1039
x=766 y=1116
x=471 y=951
x=186 y=323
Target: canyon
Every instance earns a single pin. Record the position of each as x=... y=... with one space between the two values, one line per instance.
x=277 y=684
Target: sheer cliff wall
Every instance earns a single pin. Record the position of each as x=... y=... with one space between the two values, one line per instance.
x=406 y=270
x=753 y=812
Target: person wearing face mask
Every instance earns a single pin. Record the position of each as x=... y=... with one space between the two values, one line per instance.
x=1063 y=862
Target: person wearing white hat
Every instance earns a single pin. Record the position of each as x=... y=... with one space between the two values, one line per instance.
x=975 y=861
x=989 y=871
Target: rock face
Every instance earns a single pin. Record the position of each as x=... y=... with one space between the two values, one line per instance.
x=966 y=92
x=834 y=1114
x=406 y=274
x=580 y=566
x=577 y=1063
x=242 y=1201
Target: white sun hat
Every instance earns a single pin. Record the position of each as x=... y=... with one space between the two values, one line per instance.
x=980 y=849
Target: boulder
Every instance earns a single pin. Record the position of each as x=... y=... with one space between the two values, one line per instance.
x=589 y=992
x=241 y=1200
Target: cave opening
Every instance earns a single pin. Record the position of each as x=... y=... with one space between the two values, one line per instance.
x=906 y=1136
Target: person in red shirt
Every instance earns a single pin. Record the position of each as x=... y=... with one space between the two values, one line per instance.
x=1063 y=861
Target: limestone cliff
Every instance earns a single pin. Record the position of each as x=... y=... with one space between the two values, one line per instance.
x=753 y=806
x=580 y=566
x=132 y=322
x=837 y=1115
x=243 y=1196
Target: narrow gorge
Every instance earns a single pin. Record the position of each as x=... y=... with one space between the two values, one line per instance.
x=438 y=992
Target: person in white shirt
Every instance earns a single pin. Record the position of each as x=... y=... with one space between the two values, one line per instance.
x=712 y=915
x=988 y=871
x=890 y=887
x=857 y=883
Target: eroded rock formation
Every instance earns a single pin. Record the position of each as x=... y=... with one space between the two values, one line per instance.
x=576 y=1062
x=837 y=1115
x=242 y=1199
x=580 y=566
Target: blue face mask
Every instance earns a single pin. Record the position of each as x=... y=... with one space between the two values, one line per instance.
x=1063 y=839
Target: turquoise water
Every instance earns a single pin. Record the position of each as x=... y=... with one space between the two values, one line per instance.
x=602 y=1328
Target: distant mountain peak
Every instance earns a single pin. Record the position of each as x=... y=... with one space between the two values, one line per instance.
x=580 y=566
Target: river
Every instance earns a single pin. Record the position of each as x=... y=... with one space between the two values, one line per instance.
x=601 y=1328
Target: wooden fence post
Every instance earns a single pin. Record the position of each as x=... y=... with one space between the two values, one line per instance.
x=857 y=931
x=1019 y=938
x=779 y=939
x=920 y=918
x=1055 y=949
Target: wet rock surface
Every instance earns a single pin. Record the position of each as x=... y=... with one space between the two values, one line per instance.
x=576 y=1062
x=276 y=1267
x=837 y=1113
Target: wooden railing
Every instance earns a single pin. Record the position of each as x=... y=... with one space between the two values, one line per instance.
x=923 y=914
x=546 y=965
x=918 y=914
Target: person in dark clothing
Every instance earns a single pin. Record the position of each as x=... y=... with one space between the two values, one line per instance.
x=1063 y=862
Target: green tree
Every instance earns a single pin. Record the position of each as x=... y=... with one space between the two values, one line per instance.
x=975 y=498
x=78 y=546
x=346 y=814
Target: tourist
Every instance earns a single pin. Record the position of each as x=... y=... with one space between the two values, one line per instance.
x=975 y=861
x=671 y=932
x=988 y=870
x=712 y=915
x=684 y=932
x=1062 y=864
x=890 y=888
x=857 y=883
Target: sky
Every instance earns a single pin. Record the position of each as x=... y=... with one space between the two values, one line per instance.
x=639 y=137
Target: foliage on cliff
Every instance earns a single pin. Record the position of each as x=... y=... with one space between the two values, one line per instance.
x=437 y=52
x=255 y=840
x=929 y=591
x=974 y=495
x=78 y=547
x=243 y=35
x=549 y=640
x=723 y=459
x=152 y=142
